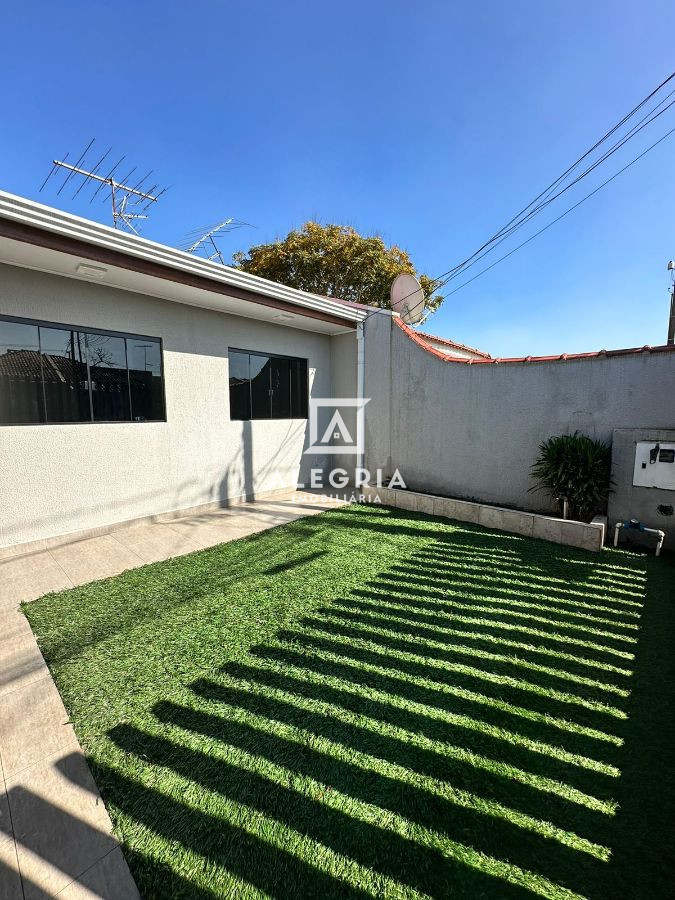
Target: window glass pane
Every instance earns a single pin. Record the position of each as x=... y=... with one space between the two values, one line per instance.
x=267 y=387
x=260 y=386
x=240 y=395
x=299 y=388
x=21 y=398
x=109 y=378
x=145 y=377
x=280 y=374
x=64 y=369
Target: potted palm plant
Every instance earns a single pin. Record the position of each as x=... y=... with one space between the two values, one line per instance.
x=575 y=471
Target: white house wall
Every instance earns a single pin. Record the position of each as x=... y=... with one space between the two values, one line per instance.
x=56 y=479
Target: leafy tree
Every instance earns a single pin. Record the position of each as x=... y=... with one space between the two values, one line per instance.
x=334 y=261
x=576 y=468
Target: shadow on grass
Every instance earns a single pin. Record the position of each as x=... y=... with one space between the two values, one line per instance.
x=423 y=807
x=475 y=606
x=619 y=596
x=294 y=563
x=373 y=732
x=545 y=640
x=440 y=638
x=415 y=612
x=642 y=835
x=160 y=881
x=244 y=855
x=424 y=868
x=457 y=769
x=524 y=694
x=478 y=707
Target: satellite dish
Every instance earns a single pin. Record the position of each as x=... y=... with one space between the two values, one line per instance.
x=407 y=298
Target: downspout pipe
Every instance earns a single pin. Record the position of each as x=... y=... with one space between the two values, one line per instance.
x=361 y=382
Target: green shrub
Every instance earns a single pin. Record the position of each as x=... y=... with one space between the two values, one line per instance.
x=577 y=468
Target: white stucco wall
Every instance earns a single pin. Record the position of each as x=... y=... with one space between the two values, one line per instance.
x=56 y=479
x=473 y=432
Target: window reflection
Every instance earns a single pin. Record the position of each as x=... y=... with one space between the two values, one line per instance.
x=21 y=399
x=280 y=390
x=64 y=370
x=240 y=389
x=260 y=387
x=61 y=375
x=299 y=388
x=267 y=387
x=145 y=378
x=109 y=378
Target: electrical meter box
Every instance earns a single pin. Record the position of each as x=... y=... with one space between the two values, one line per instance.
x=654 y=465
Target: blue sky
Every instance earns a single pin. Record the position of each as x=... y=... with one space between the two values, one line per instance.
x=431 y=123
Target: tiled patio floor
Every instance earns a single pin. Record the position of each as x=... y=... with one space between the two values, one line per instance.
x=55 y=834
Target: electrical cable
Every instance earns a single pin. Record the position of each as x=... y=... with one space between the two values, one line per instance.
x=562 y=216
x=545 y=198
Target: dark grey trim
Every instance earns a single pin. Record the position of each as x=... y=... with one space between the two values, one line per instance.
x=268 y=353
x=93 y=328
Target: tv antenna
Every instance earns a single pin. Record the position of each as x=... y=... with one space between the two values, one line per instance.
x=407 y=299
x=203 y=241
x=129 y=202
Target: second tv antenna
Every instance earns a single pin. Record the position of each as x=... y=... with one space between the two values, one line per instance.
x=202 y=241
x=129 y=202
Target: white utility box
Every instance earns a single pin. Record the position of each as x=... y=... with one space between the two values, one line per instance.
x=654 y=465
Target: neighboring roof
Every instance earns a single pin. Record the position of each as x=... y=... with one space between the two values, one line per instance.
x=630 y=351
x=27 y=365
x=453 y=344
x=21 y=364
x=43 y=226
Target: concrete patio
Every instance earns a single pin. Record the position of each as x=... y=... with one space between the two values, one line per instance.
x=55 y=834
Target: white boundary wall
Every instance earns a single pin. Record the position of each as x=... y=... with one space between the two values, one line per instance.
x=473 y=431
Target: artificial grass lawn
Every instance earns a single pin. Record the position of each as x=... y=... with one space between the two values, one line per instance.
x=371 y=702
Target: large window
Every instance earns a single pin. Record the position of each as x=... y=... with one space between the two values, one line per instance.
x=57 y=374
x=267 y=387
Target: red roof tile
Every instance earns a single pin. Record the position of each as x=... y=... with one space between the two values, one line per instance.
x=415 y=336
x=448 y=343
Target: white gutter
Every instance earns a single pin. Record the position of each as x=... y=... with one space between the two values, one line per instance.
x=27 y=212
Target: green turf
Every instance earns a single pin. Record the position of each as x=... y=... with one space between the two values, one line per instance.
x=371 y=702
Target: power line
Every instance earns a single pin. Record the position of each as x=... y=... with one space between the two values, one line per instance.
x=527 y=213
x=564 y=175
x=459 y=270
x=562 y=215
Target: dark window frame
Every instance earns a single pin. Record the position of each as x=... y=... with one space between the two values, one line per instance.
x=270 y=356
x=85 y=329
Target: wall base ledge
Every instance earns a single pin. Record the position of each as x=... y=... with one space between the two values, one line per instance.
x=586 y=536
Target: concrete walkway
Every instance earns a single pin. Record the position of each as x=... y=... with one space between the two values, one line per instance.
x=55 y=835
